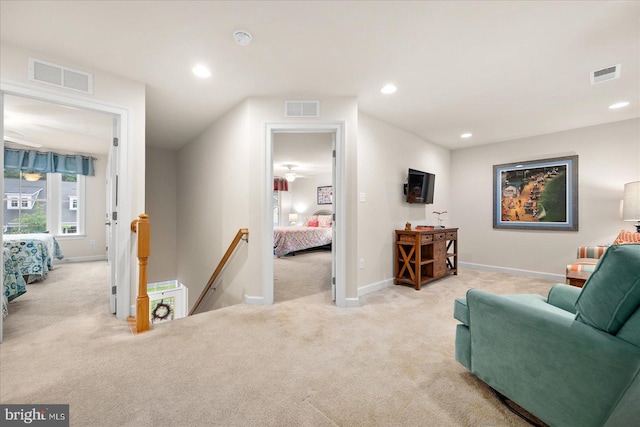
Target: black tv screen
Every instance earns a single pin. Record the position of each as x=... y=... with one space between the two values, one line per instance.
x=419 y=187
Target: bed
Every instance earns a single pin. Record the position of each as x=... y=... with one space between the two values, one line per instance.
x=315 y=233
x=14 y=284
x=34 y=253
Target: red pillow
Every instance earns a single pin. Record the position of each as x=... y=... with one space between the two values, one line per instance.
x=312 y=223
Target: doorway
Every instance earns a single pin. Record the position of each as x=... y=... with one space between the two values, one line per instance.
x=303 y=209
x=118 y=119
x=336 y=130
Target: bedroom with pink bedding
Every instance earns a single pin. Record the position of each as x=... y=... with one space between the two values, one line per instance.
x=316 y=232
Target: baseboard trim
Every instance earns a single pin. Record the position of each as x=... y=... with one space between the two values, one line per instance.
x=82 y=259
x=351 y=302
x=253 y=300
x=373 y=287
x=516 y=271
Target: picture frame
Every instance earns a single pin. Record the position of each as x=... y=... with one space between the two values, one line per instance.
x=536 y=194
x=325 y=195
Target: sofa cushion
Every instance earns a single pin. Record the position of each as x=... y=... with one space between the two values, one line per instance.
x=630 y=331
x=612 y=292
x=585 y=265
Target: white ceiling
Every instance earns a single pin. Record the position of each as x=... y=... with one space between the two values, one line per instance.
x=498 y=69
x=308 y=154
x=32 y=124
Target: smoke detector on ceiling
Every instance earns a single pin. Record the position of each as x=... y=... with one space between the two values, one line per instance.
x=242 y=37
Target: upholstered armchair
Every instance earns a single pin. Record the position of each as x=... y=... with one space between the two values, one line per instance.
x=579 y=271
x=570 y=359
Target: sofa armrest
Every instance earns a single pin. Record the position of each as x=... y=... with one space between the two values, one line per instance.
x=595 y=252
x=564 y=297
x=563 y=362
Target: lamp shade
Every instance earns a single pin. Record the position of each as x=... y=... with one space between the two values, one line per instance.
x=32 y=177
x=631 y=204
x=293 y=218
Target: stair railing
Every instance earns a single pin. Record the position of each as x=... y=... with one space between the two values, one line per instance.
x=142 y=226
x=239 y=236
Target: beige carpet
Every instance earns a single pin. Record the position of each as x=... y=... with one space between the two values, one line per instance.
x=306 y=273
x=302 y=362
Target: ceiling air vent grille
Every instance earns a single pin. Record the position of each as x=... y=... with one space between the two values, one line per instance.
x=57 y=75
x=609 y=73
x=302 y=108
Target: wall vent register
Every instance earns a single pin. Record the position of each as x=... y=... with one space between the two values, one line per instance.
x=605 y=74
x=302 y=109
x=57 y=75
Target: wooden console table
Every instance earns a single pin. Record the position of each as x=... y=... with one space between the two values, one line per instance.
x=425 y=255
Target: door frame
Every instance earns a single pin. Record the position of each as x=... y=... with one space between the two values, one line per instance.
x=122 y=114
x=339 y=244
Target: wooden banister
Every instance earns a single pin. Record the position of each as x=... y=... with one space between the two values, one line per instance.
x=142 y=226
x=239 y=236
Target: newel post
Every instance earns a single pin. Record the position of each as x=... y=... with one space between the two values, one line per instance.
x=142 y=226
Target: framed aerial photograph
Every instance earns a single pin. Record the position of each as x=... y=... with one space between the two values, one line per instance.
x=536 y=194
x=325 y=195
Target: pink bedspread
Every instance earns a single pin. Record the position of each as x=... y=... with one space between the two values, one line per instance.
x=291 y=239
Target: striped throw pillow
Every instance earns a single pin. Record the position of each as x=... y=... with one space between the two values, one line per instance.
x=627 y=237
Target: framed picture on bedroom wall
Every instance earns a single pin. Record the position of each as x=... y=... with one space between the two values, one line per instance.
x=325 y=195
x=536 y=195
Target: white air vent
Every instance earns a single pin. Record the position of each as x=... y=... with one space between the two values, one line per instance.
x=609 y=73
x=57 y=75
x=302 y=108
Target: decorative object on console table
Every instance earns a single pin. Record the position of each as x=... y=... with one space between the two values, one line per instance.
x=422 y=256
x=631 y=203
x=440 y=219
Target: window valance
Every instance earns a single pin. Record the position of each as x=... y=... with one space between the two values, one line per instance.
x=39 y=161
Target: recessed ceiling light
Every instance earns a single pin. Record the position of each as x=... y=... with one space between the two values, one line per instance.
x=618 y=105
x=388 y=89
x=201 y=71
x=466 y=135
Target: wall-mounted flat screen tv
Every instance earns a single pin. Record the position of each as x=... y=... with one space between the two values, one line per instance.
x=419 y=187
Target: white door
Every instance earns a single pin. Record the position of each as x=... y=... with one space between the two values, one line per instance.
x=112 y=217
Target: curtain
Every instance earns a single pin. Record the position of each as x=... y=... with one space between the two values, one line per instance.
x=280 y=184
x=38 y=161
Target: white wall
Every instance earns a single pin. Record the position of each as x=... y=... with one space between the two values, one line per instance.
x=385 y=153
x=270 y=110
x=111 y=90
x=215 y=175
x=305 y=194
x=609 y=156
x=229 y=195
x=162 y=207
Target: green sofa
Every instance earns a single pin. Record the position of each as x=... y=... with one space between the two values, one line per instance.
x=571 y=359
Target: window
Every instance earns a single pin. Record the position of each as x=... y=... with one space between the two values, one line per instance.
x=53 y=203
x=21 y=201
